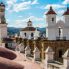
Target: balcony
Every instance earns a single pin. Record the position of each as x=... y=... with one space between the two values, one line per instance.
x=60 y=38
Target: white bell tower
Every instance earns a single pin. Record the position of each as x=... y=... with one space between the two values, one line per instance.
x=29 y=23
x=66 y=27
x=3 y=25
x=51 y=20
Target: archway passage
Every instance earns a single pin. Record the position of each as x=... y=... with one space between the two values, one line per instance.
x=60 y=53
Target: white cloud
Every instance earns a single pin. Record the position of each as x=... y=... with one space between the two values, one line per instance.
x=14 y=6
x=35 y=2
x=10 y=2
x=21 y=6
x=54 y=6
x=65 y=2
x=23 y=22
x=33 y=18
x=60 y=12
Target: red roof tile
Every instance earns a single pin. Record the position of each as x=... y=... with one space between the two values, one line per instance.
x=51 y=11
x=66 y=12
x=29 y=29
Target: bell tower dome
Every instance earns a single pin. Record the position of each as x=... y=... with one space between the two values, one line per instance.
x=29 y=23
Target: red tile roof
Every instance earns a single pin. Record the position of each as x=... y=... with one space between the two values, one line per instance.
x=66 y=12
x=29 y=29
x=51 y=11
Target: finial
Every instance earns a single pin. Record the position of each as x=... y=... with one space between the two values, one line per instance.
x=29 y=20
x=50 y=7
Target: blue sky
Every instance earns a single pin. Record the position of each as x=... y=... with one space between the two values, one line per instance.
x=18 y=12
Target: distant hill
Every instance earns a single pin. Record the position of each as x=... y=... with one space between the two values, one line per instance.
x=42 y=30
x=13 y=30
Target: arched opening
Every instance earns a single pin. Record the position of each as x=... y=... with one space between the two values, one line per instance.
x=32 y=34
x=52 y=19
x=60 y=53
x=6 y=45
x=60 y=32
x=25 y=34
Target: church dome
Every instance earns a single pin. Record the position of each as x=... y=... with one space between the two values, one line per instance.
x=60 y=23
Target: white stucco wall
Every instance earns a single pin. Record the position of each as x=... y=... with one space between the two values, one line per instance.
x=28 y=34
x=66 y=33
x=52 y=34
x=3 y=30
x=51 y=27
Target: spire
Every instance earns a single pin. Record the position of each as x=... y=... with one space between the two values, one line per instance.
x=51 y=8
x=29 y=20
x=51 y=11
x=29 y=23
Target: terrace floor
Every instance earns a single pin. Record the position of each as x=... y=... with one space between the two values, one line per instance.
x=28 y=64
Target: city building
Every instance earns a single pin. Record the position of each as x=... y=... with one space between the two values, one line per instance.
x=3 y=24
x=57 y=30
x=29 y=32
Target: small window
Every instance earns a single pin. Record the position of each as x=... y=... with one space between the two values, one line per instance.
x=25 y=34
x=52 y=19
x=32 y=34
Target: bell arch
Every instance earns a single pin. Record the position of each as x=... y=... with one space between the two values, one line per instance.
x=59 y=27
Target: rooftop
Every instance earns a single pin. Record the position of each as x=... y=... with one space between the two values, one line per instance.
x=51 y=11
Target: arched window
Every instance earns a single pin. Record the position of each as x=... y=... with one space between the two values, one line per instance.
x=52 y=19
x=32 y=34
x=25 y=34
x=60 y=53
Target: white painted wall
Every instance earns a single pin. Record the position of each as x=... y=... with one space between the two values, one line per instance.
x=51 y=27
x=28 y=34
x=3 y=30
x=51 y=34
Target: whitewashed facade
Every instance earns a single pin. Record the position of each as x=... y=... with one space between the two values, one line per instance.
x=57 y=30
x=3 y=25
x=29 y=32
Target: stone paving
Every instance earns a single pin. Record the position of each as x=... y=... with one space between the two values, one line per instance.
x=28 y=64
